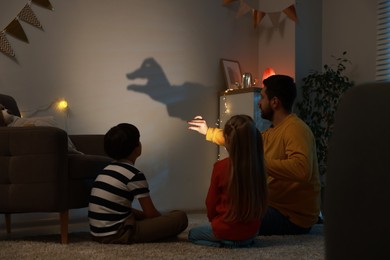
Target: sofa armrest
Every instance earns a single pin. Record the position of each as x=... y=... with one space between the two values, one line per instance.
x=32 y=140
x=89 y=143
x=33 y=161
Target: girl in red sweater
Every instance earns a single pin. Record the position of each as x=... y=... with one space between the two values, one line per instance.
x=236 y=200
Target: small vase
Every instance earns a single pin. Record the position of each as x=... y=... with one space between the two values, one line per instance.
x=246 y=80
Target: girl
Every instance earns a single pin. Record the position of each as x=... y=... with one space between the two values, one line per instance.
x=236 y=200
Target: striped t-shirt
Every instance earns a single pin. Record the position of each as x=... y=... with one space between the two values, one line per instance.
x=113 y=192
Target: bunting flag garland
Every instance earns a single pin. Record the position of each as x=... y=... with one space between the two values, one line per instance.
x=27 y=15
x=225 y=2
x=15 y=29
x=274 y=17
x=5 y=47
x=44 y=3
x=258 y=15
x=291 y=13
x=243 y=9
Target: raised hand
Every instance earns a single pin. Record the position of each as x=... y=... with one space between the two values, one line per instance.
x=198 y=124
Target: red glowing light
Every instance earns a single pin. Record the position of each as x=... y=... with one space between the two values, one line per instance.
x=267 y=73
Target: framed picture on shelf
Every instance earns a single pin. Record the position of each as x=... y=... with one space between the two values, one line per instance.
x=232 y=72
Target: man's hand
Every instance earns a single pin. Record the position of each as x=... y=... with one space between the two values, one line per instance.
x=198 y=124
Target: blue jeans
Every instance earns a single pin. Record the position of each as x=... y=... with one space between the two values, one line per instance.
x=274 y=223
x=204 y=235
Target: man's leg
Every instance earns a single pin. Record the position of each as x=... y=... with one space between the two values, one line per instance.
x=274 y=223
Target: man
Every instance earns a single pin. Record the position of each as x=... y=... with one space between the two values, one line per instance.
x=290 y=160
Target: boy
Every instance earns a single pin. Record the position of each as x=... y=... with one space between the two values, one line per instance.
x=111 y=216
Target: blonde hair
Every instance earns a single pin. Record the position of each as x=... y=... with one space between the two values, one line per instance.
x=247 y=187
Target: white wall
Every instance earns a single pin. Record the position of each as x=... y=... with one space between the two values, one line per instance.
x=326 y=28
x=350 y=25
x=88 y=47
x=308 y=38
x=277 y=43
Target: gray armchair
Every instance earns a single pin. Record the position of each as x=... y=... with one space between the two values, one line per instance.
x=357 y=191
x=38 y=174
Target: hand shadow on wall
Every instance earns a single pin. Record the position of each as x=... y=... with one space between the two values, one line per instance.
x=181 y=101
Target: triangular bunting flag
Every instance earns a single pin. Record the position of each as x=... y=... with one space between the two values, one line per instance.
x=243 y=9
x=27 y=15
x=274 y=17
x=225 y=2
x=291 y=13
x=257 y=17
x=5 y=47
x=43 y=3
x=15 y=29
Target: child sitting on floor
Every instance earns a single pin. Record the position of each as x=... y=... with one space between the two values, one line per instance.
x=236 y=200
x=111 y=215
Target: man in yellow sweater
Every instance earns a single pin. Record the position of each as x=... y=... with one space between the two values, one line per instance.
x=290 y=160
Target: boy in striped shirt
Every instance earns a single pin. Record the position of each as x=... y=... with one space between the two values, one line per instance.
x=111 y=215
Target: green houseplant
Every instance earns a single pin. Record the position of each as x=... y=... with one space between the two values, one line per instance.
x=321 y=93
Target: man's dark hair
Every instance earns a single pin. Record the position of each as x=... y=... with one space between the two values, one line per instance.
x=121 y=140
x=282 y=87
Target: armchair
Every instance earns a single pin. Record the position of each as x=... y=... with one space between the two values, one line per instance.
x=357 y=190
x=38 y=174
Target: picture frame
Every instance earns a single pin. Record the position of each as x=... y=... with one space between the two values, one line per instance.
x=232 y=73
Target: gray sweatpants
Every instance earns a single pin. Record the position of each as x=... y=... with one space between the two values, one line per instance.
x=148 y=230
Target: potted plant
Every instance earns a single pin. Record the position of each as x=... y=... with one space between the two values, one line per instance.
x=321 y=93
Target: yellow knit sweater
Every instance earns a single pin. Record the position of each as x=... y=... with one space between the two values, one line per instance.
x=292 y=168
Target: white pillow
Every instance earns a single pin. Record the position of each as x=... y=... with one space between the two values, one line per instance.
x=34 y=121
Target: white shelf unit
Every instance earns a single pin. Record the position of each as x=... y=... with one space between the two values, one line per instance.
x=240 y=101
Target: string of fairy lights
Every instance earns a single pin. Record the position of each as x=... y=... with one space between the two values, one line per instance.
x=226 y=111
x=226 y=105
x=59 y=104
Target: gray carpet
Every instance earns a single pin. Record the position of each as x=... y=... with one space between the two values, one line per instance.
x=31 y=246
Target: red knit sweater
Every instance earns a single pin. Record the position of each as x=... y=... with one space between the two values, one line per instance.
x=217 y=207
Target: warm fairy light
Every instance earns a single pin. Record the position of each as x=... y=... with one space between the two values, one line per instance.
x=227 y=107
x=62 y=104
x=59 y=104
x=226 y=112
